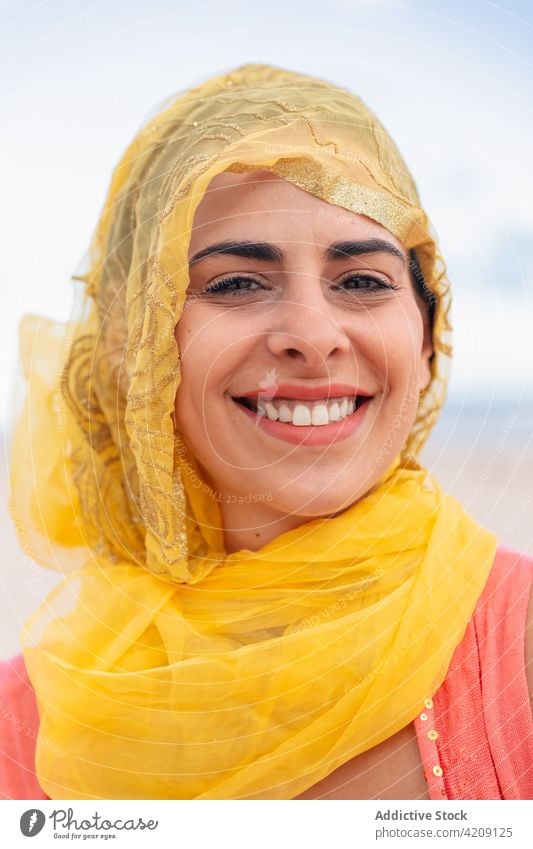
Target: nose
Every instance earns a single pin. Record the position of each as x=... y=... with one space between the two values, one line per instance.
x=304 y=328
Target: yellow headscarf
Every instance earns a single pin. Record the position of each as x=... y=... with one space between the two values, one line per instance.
x=163 y=667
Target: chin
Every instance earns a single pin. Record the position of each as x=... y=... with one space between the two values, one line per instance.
x=313 y=506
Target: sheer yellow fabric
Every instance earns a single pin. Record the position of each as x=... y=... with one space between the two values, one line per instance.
x=163 y=667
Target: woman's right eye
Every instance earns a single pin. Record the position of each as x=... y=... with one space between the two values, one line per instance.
x=235 y=285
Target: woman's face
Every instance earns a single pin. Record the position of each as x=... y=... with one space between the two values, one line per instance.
x=300 y=328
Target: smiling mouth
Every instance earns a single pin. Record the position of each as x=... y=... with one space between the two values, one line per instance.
x=303 y=414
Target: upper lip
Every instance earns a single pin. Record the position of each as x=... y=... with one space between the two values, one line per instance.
x=305 y=393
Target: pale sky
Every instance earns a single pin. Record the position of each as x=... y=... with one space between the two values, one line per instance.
x=451 y=81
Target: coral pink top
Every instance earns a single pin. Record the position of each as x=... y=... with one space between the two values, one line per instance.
x=475 y=735
x=476 y=738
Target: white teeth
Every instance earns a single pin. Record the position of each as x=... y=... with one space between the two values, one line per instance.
x=334 y=412
x=320 y=416
x=271 y=412
x=285 y=414
x=302 y=414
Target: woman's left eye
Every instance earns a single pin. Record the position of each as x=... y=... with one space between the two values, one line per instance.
x=235 y=285
x=367 y=283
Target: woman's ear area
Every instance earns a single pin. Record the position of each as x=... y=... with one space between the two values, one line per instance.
x=424 y=299
x=427 y=351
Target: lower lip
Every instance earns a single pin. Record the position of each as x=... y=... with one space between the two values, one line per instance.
x=309 y=434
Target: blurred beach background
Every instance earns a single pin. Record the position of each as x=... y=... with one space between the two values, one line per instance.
x=452 y=82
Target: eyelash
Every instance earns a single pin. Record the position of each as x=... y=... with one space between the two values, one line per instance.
x=222 y=286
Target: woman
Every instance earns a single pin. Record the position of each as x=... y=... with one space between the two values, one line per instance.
x=269 y=598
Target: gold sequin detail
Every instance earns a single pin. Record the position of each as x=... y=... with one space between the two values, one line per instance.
x=323 y=182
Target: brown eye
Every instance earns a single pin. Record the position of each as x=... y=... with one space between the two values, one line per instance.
x=233 y=285
x=367 y=283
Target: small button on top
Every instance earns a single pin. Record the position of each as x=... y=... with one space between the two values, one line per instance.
x=433 y=734
x=437 y=770
x=423 y=717
x=428 y=703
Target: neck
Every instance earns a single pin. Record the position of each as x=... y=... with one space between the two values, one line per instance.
x=252 y=526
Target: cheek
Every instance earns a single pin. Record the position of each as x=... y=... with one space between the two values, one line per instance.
x=397 y=347
x=207 y=350
x=195 y=338
x=187 y=331
x=401 y=361
x=402 y=342
x=189 y=336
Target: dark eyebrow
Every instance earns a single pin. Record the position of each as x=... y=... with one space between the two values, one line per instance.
x=248 y=250
x=339 y=250
x=266 y=252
